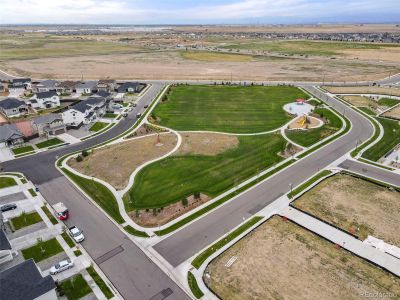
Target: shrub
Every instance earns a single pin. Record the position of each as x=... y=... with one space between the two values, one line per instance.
x=79 y=158
x=184 y=202
x=85 y=153
x=196 y=195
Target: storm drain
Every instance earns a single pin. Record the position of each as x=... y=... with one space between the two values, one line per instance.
x=106 y=256
x=162 y=295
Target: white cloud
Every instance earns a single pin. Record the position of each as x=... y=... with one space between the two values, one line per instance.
x=138 y=11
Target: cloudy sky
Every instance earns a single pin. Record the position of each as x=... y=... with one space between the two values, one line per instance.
x=196 y=12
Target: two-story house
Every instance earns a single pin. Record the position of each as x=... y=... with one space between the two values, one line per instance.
x=44 y=100
x=50 y=124
x=106 y=85
x=13 y=107
x=84 y=112
x=45 y=86
x=86 y=87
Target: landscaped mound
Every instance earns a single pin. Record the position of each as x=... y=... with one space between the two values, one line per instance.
x=115 y=163
x=234 y=109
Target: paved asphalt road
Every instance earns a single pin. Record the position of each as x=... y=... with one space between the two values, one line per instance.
x=371 y=171
x=191 y=239
x=129 y=269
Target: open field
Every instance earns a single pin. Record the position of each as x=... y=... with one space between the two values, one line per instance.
x=226 y=108
x=174 y=178
x=293 y=263
x=368 y=102
x=355 y=205
x=390 y=139
x=306 y=138
x=115 y=163
x=321 y=48
x=393 y=113
x=363 y=90
x=144 y=56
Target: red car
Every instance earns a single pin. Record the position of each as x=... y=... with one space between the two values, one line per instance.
x=61 y=211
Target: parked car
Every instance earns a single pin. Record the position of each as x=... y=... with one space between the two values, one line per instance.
x=61 y=211
x=61 y=266
x=138 y=115
x=76 y=234
x=130 y=108
x=7 y=207
x=124 y=114
x=134 y=104
x=117 y=106
x=146 y=106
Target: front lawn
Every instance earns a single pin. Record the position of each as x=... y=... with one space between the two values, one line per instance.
x=234 y=109
x=25 y=219
x=7 y=182
x=42 y=250
x=75 y=288
x=109 y=116
x=98 y=126
x=390 y=139
x=174 y=178
x=307 y=138
x=98 y=193
x=49 y=143
x=23 y=149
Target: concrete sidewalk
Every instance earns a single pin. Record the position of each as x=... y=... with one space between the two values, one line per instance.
x=343 y=239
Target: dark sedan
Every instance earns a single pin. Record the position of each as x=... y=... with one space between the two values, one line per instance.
x=8 y=207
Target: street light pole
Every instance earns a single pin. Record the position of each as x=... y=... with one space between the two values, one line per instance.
x=291 y=190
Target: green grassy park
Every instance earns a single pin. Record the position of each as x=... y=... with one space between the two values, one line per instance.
x=234 y=109
x=309 y=137
x=174 y=178
x=390 y=139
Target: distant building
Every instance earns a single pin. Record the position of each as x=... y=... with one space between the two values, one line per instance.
x=106 y=85
x=130 y=87
x=46 y=86
x=86 y=87
x=44 y=100
x=67 y=87
x=84 y=112
x=25 y=282
x=12 y=107
x=24 y=83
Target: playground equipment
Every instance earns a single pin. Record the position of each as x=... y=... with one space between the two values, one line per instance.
x=303 y=120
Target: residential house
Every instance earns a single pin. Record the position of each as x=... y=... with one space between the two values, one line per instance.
x=6 y=253
x=130 y=87
x=66 y=87
x=44 y=100
x=50 y=124
x=106 y=85
x=12 y=107
x=103 y=94
x=24 y=83
x=86 y=87
x=84 y=112
x=46 y=86
x=25 y=282
x=10 y=135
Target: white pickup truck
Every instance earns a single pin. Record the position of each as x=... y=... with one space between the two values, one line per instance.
x=76 y=234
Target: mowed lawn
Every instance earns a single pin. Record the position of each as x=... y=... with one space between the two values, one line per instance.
x=174 y=178
x=235 y=109
x=390 y=139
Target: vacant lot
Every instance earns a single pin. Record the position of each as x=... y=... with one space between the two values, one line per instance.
x=390 y=139
x=197 y=143
x=115 y=163
x=393 y=113
x=360 y=101
x=362 y=90
x=174 y=178
x=355 y=205
x=226 y=108
x=292 y=263
x=215 y=56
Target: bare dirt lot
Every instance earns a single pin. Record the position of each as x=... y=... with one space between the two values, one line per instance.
x=355 y=205
x=206 y=143
x=115 y=163
x=363 y=90
x=360 y=101
x=393 y=113
x=292 y=263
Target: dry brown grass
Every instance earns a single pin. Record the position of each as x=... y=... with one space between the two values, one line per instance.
x=360 y=101
x=115 y=163
x=362 y=90
x=393 y=113
x=355 y=205
x=281 y=260
x=206 y=143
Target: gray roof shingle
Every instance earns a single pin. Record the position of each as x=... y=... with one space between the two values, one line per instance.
x=24 y=282
x=10 y=103
x=9 y=131
x=4 y=242
x=49 y=94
